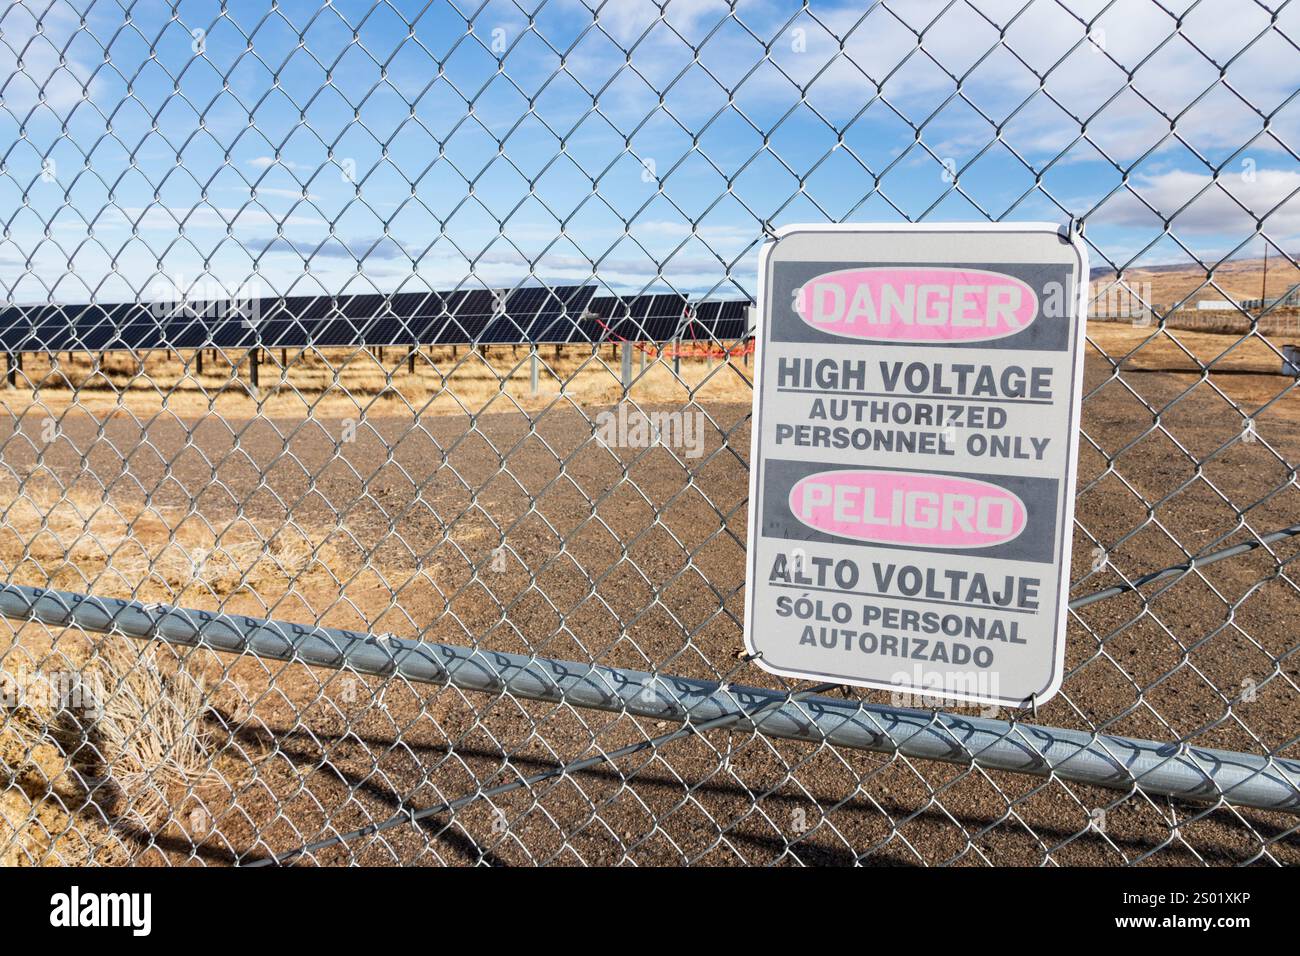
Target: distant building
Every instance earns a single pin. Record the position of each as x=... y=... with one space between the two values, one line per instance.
x=1289 y=301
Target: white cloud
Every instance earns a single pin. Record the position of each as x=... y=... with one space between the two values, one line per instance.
x=48 y=70
x=265 y=162
x=1214 y=210
x=1138 y=35
x=626 y=20
x=1169 y=61
x=170 y=218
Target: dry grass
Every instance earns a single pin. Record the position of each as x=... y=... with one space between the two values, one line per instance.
x=349 y=383
x=76 y=780
x=149 y=733
x=125 y=752
x=66 y=538
x=1245 y=368
x=1279 y=325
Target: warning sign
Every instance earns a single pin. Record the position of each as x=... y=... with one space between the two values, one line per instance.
x=915 y=433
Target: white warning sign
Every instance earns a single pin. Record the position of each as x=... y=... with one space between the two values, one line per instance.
x=915 y=434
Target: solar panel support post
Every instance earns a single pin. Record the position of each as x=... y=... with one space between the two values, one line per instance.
x=533 y=373
x=11 y=370
x=198 y=361
x=641 y=359
x=677 y=356
x=627 y=365
x=252 y=368
x=410 y=359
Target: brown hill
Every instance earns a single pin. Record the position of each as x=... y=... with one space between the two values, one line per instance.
x=1167 y=284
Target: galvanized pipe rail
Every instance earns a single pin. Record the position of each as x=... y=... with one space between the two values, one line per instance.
x=1118 y=763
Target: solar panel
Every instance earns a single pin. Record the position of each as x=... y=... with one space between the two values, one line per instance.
x=278 y=334
x=642 y=318
x=362 y=306
x=506 y=325
x=191 y=337
x=561 y=318
x=386 y=331
x=718 y=321
x=501 y=330
x=17 y=326
x=473 y=302
x=457 y=329
x=733 y=321
x=332 y=331
x=549 y=314
x=654 y=318
x=529 y=314
x=317 y=309
x=235 y=333
x=518 y=314
x=417 y=303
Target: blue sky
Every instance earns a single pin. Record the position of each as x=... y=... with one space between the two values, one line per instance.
x=355 y=147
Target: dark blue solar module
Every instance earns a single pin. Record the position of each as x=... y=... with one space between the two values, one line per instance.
x=642 y=318
x=718 y=320
x=556 y=315
x=528 y=314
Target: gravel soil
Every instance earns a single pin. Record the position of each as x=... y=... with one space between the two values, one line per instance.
x=514 y=530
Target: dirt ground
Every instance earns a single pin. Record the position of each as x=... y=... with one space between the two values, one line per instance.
x=445 y=505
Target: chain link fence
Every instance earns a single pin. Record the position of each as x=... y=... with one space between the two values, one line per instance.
x=479 y=601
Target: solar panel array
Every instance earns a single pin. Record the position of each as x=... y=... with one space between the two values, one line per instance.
x=532 y=314
x=724 y=321
x=642 y=318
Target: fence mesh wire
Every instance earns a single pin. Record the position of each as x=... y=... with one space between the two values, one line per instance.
x=518 y=499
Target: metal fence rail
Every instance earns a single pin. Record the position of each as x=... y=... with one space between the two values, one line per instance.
x=1117 y=763
x=366 y=580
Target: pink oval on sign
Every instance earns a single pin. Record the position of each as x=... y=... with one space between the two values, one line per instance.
x=937 y=511
x=921 y=304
